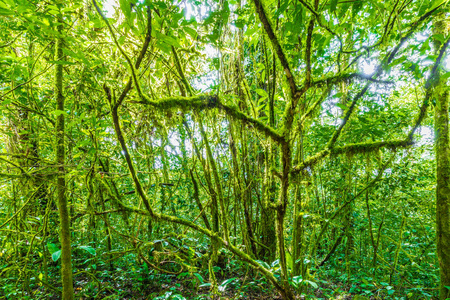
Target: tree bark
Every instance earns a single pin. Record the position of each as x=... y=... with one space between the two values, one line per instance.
x=441 y=94
x=64 y=217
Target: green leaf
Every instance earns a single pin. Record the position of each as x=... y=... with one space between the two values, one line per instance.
x=170 y=40
x=6 y=12
x=356 y=7
x=297 y=279
x=62 y=62
x=199 y=277
x=312 y=283
x=251 y=30
x=191 y=32
x=262 y=92
x=52 y=248
x=71 y=8
x=56 y=255
x=445 y=76
x=88 y=249
x=224 y=284
x=333 y=5
x=126 y=8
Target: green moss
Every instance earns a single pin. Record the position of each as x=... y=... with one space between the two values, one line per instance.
x=202 y=102
x=352 y=149
x=356 y=148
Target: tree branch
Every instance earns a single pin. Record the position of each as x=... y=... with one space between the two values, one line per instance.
x=276 y=45
x=201 y=102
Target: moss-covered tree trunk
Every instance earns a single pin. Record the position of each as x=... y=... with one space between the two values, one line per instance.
x=64 y=217
x=441 y=94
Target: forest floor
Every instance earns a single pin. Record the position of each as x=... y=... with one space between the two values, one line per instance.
x=135 y=281
x=174 y=288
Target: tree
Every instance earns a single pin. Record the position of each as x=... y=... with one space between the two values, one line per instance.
x=64 y=217
x=441 y=95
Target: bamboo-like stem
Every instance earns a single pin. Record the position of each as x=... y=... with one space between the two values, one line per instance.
x=64 y=217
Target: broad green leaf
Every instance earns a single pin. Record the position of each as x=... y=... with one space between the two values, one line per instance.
x=275 y=263
x=191 y=32
x=199 y=277
x=62 y=62
x=297 y=279
x=445 y=76
x=125 y=6
x=6 y=12
x=170 y=40
x=262 y=92
x=56 y=255
x=356 y=7
x=52 y=248
x=333 y=5
x=224 y=284
x=88 y=249
x=71 y=8
x=312 y=283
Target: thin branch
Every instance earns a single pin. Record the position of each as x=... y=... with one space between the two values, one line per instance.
x=313 y=107
x=276 y=45
x=11 y=41
x=127 y=58
x=126 y=153
x=26 y=82
x=431 y=81
x=337 y=211
x=344 y=76
x=145 y=46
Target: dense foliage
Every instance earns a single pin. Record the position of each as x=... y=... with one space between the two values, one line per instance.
x=206 y=148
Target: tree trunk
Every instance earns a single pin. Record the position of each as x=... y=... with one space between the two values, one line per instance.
x=64 y=218
x=441 y=94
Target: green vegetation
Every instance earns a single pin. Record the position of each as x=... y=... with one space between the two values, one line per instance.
x=224 y=149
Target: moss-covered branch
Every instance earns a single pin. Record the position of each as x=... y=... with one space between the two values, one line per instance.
x=309 y=43
x=60 y=154
x=123 y=144
x=186 y=84
x=355 y=148
x=346 y=76
x=201 y=102
x=370 y=147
